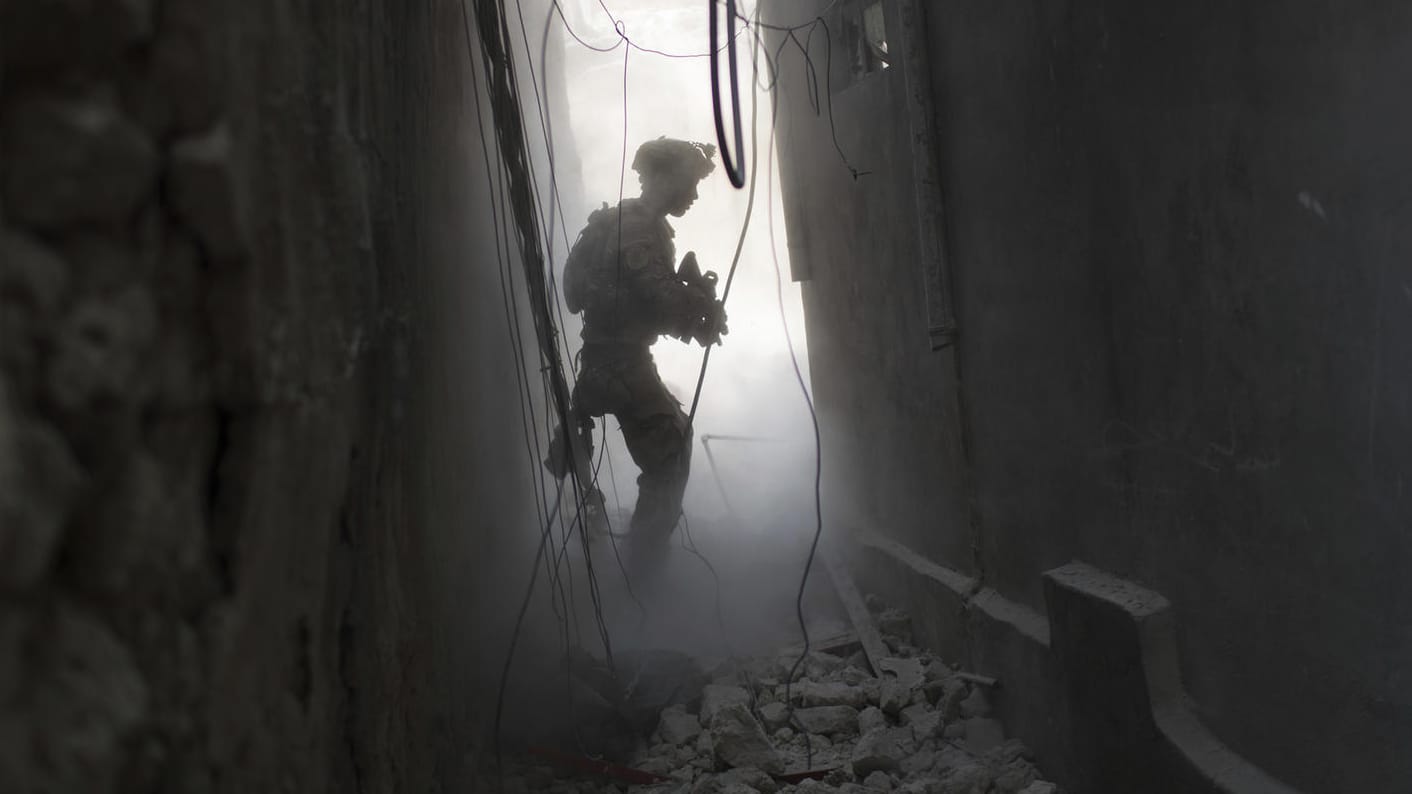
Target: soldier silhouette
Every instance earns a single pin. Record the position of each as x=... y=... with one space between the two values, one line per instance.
x=620 y=275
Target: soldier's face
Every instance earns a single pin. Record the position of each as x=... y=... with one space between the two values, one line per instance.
x=681 y=189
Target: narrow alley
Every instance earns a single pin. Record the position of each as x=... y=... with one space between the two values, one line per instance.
x=705 y=397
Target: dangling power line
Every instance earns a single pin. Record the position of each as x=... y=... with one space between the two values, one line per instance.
x=735 y=170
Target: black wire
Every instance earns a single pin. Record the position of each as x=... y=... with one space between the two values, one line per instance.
x=735 y=171
x=507 y=277
x=527 y=218
x=740 y=241
x=818 y=445
x=621 y=38
x=791 y=28
x=621 y=29
x=828 y=94
x=537 y=482
x=516 y=339
x=547 y=116
x=546 y=128
x=539 y=105
x=549 y=347
x=621 y=178
x=557 y=581
x=512 y=326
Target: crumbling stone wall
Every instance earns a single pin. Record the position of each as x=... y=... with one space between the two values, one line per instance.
x=110 y=394
x=230 y=559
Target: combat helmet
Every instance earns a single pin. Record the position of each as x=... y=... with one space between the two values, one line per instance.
x=671 y=154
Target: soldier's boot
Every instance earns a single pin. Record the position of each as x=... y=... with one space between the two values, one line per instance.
x=559 y=461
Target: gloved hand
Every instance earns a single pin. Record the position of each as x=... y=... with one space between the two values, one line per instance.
x=712 y=326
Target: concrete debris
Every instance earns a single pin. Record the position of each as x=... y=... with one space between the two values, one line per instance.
x=705 y=749
x=831 y=694
x=878 y=781
x=934 y=734
x=740 y=741
x=893 y=696
x=920 y=761
x=853 y=675
x=775 y=715
x=676 y=726
x=910 y=673
x=925 y=723
x=820 y=666
x=715 y=786
x=882 y=749
x=870 y=719
x=714 y=697
x=751 y=778
x=975 y=705
x=828 y=720
x=953 y=691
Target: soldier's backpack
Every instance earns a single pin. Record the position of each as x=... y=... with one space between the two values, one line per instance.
x=582 y=279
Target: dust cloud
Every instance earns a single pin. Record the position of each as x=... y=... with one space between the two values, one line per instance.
x=750 y=500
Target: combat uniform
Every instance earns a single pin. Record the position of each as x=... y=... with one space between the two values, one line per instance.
x=634 y=295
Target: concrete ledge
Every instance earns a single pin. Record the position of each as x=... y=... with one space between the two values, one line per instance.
x=1094 y=686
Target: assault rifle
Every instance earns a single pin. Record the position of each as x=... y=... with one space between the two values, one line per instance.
x=710 y=327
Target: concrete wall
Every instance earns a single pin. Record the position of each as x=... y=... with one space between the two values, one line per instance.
x=1178 y=245
x=256 y=477
x=893 y=420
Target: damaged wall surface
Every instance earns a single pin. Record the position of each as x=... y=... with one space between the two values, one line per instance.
x=256 y=476
x=1177 y=245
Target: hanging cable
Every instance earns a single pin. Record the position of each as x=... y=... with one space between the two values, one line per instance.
x=734 y=170
x=818 y=444
x=740 y=241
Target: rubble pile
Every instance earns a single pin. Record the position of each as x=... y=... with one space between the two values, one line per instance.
x=919 y=727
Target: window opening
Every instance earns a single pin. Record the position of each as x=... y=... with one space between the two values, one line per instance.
x=875 y=38
x=863 y=35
